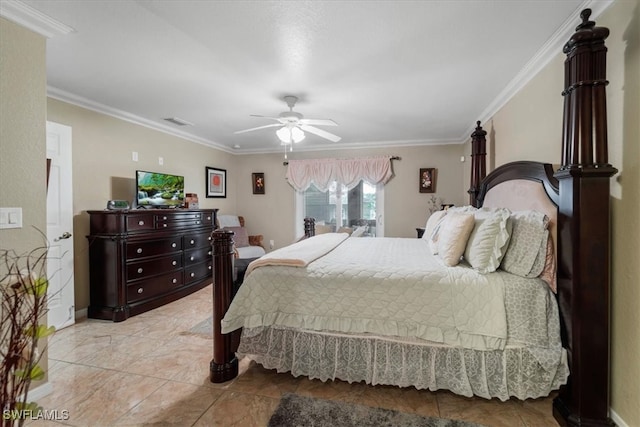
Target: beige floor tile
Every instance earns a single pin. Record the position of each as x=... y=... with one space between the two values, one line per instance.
x=410 y=400
x=173 y=404
x=331 y=390
x=239 y=409
x=265 y=382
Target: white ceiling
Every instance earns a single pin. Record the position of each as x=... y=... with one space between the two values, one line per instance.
x=388 y=72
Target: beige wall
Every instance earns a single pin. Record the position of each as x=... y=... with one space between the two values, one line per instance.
x=272 y=214
x=529 y=127
x=103 y=169
x=22 y=133
x=22 y=140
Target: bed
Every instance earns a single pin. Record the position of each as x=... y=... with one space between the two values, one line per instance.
x=431 y=325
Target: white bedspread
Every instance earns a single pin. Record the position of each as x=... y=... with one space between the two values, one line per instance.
x=381 y=286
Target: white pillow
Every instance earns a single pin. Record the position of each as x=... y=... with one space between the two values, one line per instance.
x=358 y=232
x=452 y=236
x=489 y=239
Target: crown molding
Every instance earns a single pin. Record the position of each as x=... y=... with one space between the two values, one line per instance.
x=71 y=98
x=547 y=52
x=33 y=19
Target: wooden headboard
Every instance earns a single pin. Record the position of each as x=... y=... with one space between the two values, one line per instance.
x=583 y=224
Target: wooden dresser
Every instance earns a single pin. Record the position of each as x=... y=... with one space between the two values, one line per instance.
x=142 y=259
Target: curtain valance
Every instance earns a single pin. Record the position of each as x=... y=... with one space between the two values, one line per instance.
x=349 y=172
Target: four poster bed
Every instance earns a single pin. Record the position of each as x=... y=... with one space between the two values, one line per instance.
x=428 y=321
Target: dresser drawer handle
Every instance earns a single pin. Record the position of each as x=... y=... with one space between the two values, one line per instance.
x=140 y=222
x=209 y=267
x=139 y=250
x=174 y=262
x=174 y=281
x=192 y=241
x=208 y=218
x=197 y=222
x=140 y=290
x=140 y=270
x=209 y=238
x=192 y=258
x=193 y=274
x=174 y=244
x=209 y=253
x=164 y=225
x=164 y=217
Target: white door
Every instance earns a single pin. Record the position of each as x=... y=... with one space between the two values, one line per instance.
x=60 y=227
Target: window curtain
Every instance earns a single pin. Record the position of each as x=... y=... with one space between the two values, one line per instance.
x=349 y=172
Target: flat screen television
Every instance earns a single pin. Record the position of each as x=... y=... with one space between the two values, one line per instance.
x=159 y=190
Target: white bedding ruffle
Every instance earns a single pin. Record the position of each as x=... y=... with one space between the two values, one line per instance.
x=513 y=372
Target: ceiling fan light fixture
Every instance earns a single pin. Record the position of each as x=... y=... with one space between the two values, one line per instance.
x=288 y=135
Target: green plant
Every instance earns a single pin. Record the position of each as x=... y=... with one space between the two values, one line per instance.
x=23 y=287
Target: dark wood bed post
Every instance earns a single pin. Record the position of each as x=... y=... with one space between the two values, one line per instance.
x=478 y=162
x=584 y=230
x=224 y=366
x=309 y=227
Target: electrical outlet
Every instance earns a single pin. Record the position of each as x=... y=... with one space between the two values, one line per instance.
x=134 y=156
x=271 y=244
x=160 y=161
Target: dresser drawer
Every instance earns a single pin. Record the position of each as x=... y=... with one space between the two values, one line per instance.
x=180 y=220
x=140 y=222
x=197 y=272
x=149 y=248
x=196 y=256
x=154 y=286
x=197 y=240
x=141 y=269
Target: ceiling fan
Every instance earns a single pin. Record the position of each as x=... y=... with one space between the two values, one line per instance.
x=293 y=125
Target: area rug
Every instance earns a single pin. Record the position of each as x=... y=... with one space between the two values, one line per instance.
x=295 y=410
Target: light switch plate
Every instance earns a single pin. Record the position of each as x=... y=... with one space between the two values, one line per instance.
x=10 y=217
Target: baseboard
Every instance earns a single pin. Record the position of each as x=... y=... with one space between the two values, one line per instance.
x=81 y=314
x=617 y=419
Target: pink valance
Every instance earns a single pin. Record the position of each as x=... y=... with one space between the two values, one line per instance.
x=349 y=172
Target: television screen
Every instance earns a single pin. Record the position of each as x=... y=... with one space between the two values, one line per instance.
x=159 y=190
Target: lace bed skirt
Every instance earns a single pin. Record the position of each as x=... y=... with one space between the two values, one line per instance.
x=515 y=372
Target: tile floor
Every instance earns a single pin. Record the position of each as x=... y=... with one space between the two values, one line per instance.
x=149 y=370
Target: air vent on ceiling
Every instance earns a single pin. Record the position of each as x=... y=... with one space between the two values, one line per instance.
x=177 y=121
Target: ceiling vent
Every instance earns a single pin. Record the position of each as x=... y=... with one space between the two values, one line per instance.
x=177 y=121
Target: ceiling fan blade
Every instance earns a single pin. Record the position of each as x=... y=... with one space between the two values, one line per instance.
x=265 y=117
x=318 y=122
x=259 y=127
x=321 y=133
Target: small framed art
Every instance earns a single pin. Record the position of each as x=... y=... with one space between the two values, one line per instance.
x=258 y=182
x=216 y=182
x=427 y=180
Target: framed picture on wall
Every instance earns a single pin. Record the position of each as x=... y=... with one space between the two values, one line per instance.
x=216 y=182
x=427 y=180
x=257 y=178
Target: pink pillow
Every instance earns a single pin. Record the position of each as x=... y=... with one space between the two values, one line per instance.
x=550 y=270
x=240 y=238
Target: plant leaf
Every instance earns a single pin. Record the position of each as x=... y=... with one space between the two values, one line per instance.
x=36 y=373
x=40 y=332
x=38 y=287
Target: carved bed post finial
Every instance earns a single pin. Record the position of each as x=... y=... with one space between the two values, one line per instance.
x=309 y=227
x=584 y=224
x=224 y=365
x=478 y=162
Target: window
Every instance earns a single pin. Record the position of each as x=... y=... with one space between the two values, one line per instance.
x=341 y=207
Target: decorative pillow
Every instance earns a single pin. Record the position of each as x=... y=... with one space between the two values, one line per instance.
x=240 y=237
x=528 y=236
x=541 y=258
x=549 y=273
x=489 y=239
x=226 y=221
x=452 y=236
x=432 y=222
